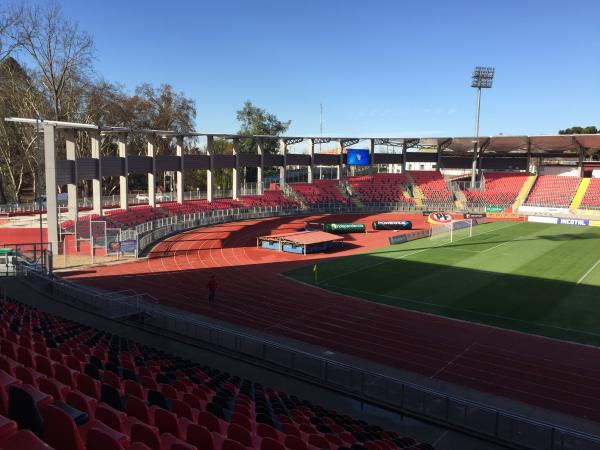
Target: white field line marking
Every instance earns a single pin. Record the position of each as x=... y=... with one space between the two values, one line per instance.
x=412 y=253
x=494 y=247
x=367 y=294
x=588 y=272
x=455 y=319
x=462 y=250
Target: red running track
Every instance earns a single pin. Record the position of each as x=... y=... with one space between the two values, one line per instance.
x=547 y=373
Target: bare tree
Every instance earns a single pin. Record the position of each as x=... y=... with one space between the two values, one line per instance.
x=62 y=53
x=20 y=97
x=9 y=17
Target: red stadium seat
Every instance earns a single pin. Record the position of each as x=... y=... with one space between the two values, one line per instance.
x=60 y=431
x=25 y=440
x=99 y=440
x=147 y=435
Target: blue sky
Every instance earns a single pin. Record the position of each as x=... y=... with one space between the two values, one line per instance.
x=388 y=68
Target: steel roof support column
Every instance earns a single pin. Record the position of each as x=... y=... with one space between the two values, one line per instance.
x=260 y=168
x=371 y=156
x=124 y=178
x=180 y=174
x=311 y=167
x=283 y=169
x=50 y=163
x=72 y=202
x=235 y=173
x=210 y=182
x=152 y=174
x=96 y=182
x=404 y=157
x=340 y=166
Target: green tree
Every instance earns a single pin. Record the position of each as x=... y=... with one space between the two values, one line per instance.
x=579 y=130
x=591 y=129
x=257 y=121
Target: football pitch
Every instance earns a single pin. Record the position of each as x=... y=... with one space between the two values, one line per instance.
x=536 y=278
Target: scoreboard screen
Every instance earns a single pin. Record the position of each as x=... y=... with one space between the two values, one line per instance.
x=358 y=157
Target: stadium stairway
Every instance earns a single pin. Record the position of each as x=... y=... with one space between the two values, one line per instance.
x=580 y=194
x=461 y=199
x=417 y=192
x=356 y=201
x=291 y=194
x=524 y=193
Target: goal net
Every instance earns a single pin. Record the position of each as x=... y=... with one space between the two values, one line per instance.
x=451 y=231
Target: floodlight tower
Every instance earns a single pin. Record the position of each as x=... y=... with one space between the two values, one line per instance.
x=482 y=79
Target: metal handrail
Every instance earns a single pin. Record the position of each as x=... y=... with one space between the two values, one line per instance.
x=322 y=359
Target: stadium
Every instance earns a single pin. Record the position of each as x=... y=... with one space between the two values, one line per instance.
x=311 y=292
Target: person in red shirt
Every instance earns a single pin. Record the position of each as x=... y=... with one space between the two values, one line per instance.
x=212 y=288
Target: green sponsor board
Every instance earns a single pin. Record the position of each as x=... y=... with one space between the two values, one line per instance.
x=494 y=209
x=344 y=228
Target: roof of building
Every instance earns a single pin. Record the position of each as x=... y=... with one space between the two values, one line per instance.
x=303 y=237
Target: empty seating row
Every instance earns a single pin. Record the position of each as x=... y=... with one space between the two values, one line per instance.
x=196 y=206
x=320 y=192
x=269 y=198
x=119 y=218
x=553 y=191
x=434 y=188
x=136 y=215
x=501 y=189
x=70 y=387
x=591 y=199
x=381 y=188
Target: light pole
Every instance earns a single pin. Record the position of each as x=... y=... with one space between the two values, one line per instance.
x=482 y=79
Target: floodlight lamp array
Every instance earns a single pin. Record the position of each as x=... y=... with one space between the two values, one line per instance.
x=482 y=77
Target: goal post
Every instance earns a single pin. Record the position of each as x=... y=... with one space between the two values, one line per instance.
x=450 y=231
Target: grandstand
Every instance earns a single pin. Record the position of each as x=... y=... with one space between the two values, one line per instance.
x=74 y=387
x=196 y=206
x=432 y=186
x=269 y=198
x=553 y=191
x=320 y=192
x=382 y=188
x=500 y=190
x=591 y=200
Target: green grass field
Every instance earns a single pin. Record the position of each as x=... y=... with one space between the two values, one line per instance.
x=537 y=278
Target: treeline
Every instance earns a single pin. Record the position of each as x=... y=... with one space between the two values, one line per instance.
x=46 y=71
x=592 y=129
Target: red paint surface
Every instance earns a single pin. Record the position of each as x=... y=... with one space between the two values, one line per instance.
x=543 y=372
x=21 y=235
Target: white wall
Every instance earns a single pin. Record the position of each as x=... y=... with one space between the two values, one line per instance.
x=560 y=171
x=421 y=166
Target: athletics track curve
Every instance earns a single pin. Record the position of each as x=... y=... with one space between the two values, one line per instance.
x=542 y=372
